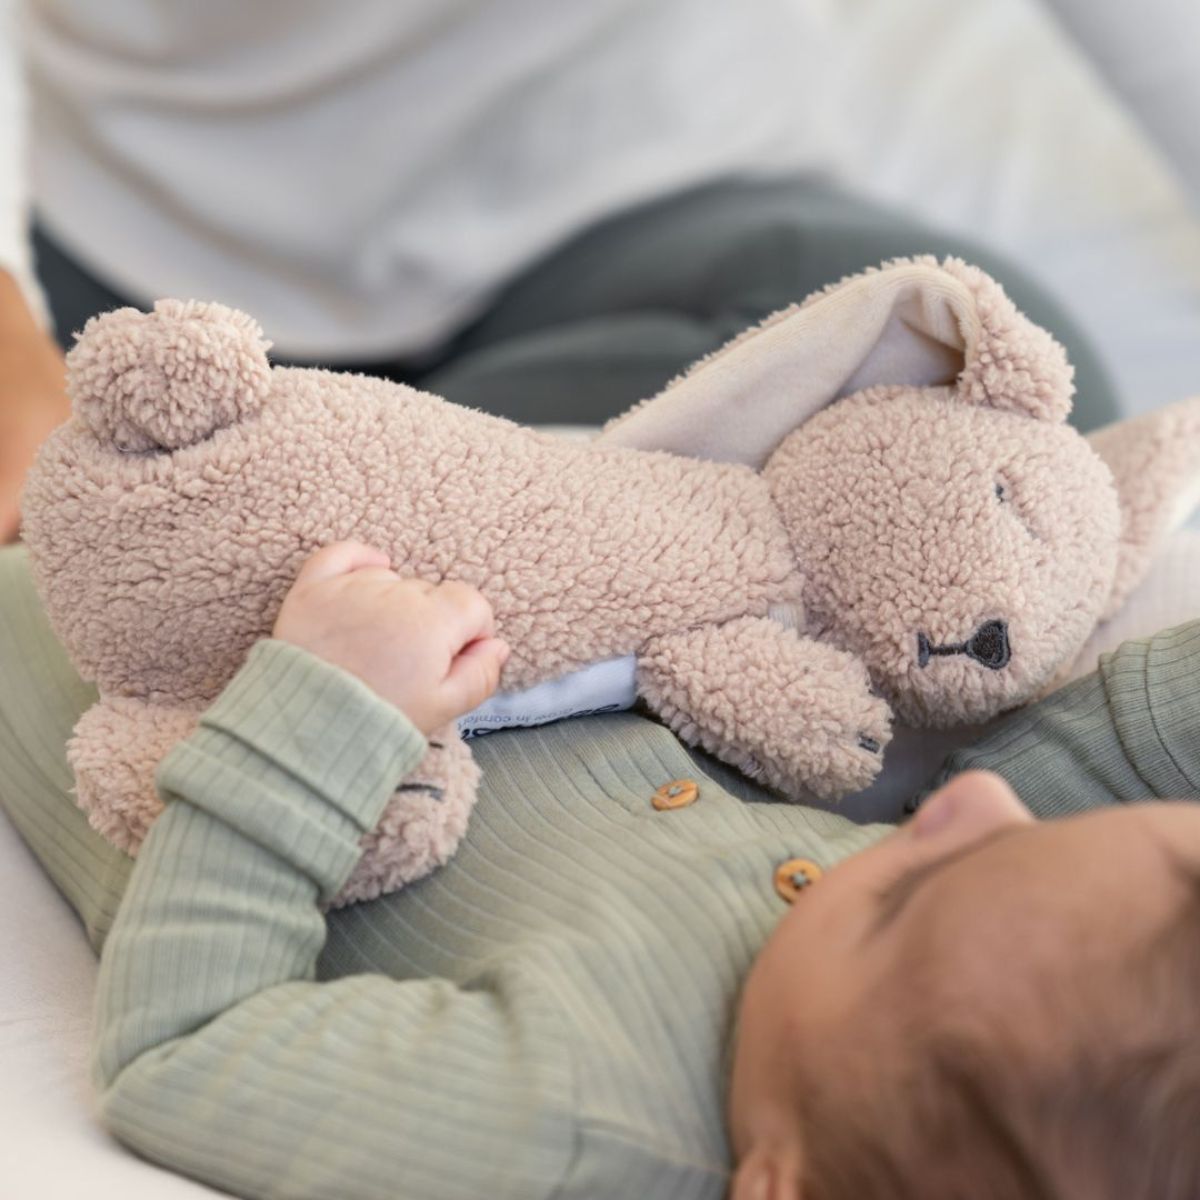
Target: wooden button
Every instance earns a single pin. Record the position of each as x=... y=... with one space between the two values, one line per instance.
x=793 y=876
x=679 y=793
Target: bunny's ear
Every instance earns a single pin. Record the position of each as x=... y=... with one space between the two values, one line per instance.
x=912 y=322
x=1155 y=462
x=167 y=379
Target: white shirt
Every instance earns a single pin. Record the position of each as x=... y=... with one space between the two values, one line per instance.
x=363 y=175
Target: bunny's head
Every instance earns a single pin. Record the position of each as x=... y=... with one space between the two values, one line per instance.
x=953 y=531
x=963 y=553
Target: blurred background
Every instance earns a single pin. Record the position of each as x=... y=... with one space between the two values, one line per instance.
x=546 y=209
x=1066 y=134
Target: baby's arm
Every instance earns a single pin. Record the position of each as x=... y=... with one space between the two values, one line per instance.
x=1129 y=731
x=216 y=1052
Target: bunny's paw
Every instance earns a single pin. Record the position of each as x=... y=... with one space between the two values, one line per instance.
x=794 y=712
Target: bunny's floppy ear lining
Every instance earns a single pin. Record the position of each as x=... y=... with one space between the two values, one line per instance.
x=1155 y=463
x=167 y=379
x=911 y=322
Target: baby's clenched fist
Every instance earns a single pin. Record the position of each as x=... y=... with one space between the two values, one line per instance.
x=427 y=648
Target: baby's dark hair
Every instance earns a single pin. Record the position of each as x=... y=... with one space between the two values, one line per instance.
x=1106 y=1108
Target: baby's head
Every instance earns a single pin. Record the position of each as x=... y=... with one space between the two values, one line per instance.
x=982 y=1005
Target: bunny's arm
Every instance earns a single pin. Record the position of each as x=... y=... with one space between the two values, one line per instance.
x=794 y=712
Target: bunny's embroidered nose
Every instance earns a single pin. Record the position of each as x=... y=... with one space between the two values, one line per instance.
x=988 y=646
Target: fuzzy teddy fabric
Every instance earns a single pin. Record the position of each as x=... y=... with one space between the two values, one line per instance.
x=869 y=504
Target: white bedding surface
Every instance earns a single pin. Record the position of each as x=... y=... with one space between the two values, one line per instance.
x=52 y=1147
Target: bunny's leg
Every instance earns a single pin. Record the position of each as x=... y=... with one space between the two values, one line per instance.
x=793 y=712
x=118 y=744
x=114 y=751
x=422 y=823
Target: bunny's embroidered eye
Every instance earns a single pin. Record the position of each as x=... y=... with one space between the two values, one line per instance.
x=1006 y=497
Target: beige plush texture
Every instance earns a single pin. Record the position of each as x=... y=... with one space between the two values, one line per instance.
x=775 y=612
x=211 y=359
x=721 y=687
x=1153 y=460
x=891 y=500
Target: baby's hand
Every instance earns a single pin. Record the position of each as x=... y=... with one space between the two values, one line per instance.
x=427 y=648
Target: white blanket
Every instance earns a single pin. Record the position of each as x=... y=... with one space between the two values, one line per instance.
x=52 y=1146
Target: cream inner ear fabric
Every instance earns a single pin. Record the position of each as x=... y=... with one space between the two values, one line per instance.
x=911 y=324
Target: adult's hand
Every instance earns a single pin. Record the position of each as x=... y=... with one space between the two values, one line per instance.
x=33 y=397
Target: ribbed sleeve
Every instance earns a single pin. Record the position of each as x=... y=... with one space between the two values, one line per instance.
x=215 y=1051
x=1153 y=687
x=297 y=756
x=1129 y=731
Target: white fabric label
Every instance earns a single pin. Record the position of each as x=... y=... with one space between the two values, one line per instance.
x=601 y=687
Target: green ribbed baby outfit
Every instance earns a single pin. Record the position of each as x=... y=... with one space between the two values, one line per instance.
x=548 y=1015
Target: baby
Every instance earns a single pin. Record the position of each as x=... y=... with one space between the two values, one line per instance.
x=616 y=989
x=982 y=1006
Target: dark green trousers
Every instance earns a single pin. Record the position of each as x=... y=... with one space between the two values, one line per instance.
x=608 y=318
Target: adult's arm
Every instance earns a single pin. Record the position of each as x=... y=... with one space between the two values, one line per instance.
x=32 y=392
x=33 y=396
x=1129 y=731
x=218 y=1055
x=1149 y=53
x=14 y=176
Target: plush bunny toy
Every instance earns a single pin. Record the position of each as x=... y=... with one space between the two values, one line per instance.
x=869 y=504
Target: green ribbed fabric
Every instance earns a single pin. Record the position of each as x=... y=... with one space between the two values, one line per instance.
x=41 y=698
x=1130 y=731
